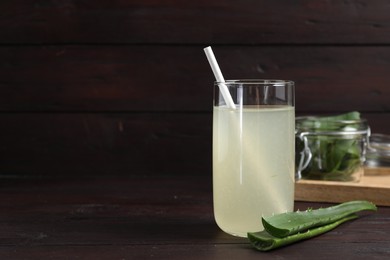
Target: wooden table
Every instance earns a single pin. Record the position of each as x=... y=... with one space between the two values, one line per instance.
x=152 y=217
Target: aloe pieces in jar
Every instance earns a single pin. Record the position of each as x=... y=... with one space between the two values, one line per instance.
x=336 y=144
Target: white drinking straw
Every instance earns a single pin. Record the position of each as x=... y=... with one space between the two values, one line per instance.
x=219 y=77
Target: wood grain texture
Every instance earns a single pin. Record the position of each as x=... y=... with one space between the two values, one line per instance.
x=123 y=86
x=373 y=186
x=93 y=144
x=147 y=217
x=105 y=118
x=74 y=144
x=207 y=251
x=178 y=78
x=183 y=22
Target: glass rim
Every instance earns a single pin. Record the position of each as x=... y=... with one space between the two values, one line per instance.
x=256 y=81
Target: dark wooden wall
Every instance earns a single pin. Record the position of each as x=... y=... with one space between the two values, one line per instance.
x=123 y=87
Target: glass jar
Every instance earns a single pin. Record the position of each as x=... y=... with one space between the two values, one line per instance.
x=333 y=150
x=378 y=152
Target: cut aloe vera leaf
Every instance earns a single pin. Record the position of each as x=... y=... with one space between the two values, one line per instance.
x=289 y=223
x=263 y=241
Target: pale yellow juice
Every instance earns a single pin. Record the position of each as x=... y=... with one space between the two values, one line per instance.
x=253 y=166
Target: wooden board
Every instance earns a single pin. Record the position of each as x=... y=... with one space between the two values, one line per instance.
x=123 y=87
x=105 y=143
x=374 y=186
x=189 y=22
x=118 y=78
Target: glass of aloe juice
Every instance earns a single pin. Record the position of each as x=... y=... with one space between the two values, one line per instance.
x=253 y=153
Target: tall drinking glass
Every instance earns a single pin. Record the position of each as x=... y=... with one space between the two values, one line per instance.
x=253 y=153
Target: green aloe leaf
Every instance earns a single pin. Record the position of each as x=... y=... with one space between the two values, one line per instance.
x=263 y=241
x=285 y=224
